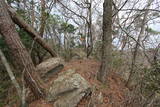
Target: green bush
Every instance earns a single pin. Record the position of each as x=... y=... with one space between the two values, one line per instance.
x=152 y=79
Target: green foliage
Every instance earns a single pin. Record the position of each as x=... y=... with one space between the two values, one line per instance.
x=25 y=38
x=152 y=79
x=5 y=49
x=156 y=14
x=11 y=1
x=117 y=60
x=66 y=27
x=152 y=31
x=97 y=50
x=5 y=84
x=53 y=19
x=115 y=32
x=67 y=54
x=60 y=24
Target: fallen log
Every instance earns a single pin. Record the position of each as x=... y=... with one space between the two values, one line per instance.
x=30 y=30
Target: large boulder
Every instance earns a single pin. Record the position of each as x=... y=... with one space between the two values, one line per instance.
x=68 y=89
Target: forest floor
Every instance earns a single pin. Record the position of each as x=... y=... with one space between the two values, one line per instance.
x=113 y=92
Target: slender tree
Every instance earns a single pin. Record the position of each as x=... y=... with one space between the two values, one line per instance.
x=43 y=18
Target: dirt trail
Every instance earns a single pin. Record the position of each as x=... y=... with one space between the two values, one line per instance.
x=113 y=92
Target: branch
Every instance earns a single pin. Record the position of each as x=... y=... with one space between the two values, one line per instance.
x=120 y=7
x=140 y=10
x=73 y=11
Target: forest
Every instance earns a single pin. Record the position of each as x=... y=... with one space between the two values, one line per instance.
x=79 y=53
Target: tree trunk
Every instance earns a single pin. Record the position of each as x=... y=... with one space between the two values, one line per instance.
x=43 y=18
x=90 y=38
x=33 y=13
x=30 y=30
x=106 y=41
x=22 y=58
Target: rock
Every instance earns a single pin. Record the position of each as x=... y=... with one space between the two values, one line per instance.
x=100 y=98
x=68 y=89
x=52 y=72
x=49 y=65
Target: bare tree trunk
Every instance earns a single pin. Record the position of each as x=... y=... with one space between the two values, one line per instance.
x=30 y=30
x=43 y=18
x=32 y=13
x=19 y=52
x=106 y=41
x=89 y=23
x=10 y=73
x=156 y=54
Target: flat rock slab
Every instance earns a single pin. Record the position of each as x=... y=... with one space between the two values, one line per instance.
x=68 y=89
x=49 y=64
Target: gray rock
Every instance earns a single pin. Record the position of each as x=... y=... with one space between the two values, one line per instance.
x=49 y=65
x=68 y=89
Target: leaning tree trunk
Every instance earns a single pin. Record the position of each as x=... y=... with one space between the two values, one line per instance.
x=30 y=30
x=19 y=52
x=106 y=41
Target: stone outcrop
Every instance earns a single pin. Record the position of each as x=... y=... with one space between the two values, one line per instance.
x=68 y=89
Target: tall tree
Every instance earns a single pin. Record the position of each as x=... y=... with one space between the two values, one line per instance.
x=106 y=41
x=22 y=57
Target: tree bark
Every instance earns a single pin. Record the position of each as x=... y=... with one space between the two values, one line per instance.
x=106 y=41
x=33 y=13
x=89 y=23
x=22 y=57
x=30 y=30
x=43 y=18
